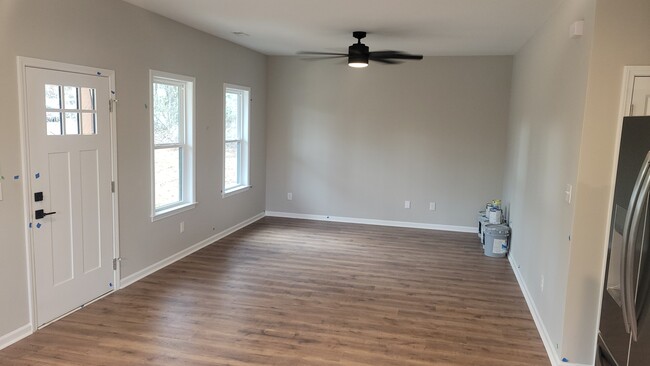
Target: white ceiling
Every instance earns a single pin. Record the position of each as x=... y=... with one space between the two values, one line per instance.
x=429 y=27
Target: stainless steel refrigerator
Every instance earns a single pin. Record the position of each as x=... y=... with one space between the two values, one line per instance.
x=624 y=333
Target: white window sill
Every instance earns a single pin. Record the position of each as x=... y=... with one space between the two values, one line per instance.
x=159 y=215
x=235 y=190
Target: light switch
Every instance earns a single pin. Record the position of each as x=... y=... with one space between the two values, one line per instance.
x=567 y=193
x=407 y=204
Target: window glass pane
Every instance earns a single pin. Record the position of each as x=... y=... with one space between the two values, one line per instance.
x=231 y=177
x=232 y=116
x=89 y=123
x=167 y=170
x=70 y=97
x=72 y=123
x=87 y=98
x=166 y=113
x=53 y=96
x=53 y=123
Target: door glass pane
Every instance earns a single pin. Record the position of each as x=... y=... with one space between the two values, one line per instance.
x=53 y=123
x=72 y=123
x=52 y=97
x=89 y=123
x=167 y=170
x=166 y=113
x=231 y=178
x=232 y=116
x=87 y=98
x=71 y=97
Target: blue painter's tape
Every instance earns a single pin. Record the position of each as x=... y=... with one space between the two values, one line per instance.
x=16 y=177
x=565 y=359
x=37 y=175
x=30 y=225
x=38 y=226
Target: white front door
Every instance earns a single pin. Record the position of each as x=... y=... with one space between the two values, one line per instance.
x=641 y=96
x=69 y=139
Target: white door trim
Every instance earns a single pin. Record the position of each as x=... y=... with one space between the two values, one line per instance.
x=22 y=64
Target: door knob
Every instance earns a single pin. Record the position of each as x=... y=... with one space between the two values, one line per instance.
x=41 y=214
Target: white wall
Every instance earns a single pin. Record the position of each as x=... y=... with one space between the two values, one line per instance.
x=546 y=119
x=359 y=142
x=114 y=35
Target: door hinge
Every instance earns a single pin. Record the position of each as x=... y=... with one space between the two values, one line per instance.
x=112 y=186
x=115 y=262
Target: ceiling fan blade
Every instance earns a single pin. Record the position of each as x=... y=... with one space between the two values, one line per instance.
x=394 y=55
x=319 y=58
x=385 y=61
x=408 y=57
x=305 y=53
x=384 y=53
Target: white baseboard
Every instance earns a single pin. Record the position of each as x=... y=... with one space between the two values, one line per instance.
x=128 y=280
x=554 y=357
x=354 y=220
x=16 y=335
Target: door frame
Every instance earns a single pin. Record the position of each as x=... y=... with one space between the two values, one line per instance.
x=22 y=64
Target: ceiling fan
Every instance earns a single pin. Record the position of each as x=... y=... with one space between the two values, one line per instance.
x=359 y=54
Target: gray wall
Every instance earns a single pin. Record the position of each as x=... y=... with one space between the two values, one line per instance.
x=546 y=118
x=562 y=130
x=114 y=35
x=620 y=39
x=358 y=143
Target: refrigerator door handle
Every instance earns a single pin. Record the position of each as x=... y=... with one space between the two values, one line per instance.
x=628 y=292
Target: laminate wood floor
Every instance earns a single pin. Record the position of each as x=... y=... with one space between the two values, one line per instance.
x=297 y=292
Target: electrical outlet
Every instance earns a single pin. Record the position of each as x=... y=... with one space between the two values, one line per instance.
x=541 y=283
x=407 y=204
x=432 y=206
x=182 y=226
x=289 y=196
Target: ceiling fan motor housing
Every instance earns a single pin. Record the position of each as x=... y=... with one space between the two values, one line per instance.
x=358 y=53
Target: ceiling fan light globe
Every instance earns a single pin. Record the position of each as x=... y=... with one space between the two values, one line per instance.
x=358 y=65
x=357 y=59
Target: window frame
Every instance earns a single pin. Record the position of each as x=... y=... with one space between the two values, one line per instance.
x=187 y=163
x=243 y=163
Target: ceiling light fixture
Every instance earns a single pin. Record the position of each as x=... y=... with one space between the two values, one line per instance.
x=357 y=62
x=358 y=54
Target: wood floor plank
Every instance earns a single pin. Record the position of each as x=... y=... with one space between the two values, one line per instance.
x=298 y=292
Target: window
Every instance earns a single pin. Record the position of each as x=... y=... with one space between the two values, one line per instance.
x=172 y=153
x=70 y=110
x=236 y=121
